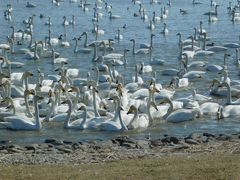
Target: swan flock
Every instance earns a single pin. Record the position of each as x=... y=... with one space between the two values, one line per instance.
x=91 y=69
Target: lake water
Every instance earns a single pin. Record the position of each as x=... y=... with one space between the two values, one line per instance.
x=165 y=47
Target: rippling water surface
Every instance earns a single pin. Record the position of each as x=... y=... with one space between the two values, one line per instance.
x=165 y=47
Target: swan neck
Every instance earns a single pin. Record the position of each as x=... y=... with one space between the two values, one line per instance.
x=229 y=93
x=51 y=110
x=67 y=121
x=27 y=106
x=76 y=46
x=95 y=104
x=38 y=123
x=170 y=110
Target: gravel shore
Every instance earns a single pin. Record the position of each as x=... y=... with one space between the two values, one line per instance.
x=55 y=151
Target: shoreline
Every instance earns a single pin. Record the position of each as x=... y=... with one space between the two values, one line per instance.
x=60 y=152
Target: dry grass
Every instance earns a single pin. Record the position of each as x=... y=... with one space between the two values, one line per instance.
x=200 y=166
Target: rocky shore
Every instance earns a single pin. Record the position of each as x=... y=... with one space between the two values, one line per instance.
x=54 y=151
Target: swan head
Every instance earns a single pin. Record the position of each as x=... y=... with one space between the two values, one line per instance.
x=82 y=108
x=132 y=109
x=119 y=89
x=28 y=92
x=27 y=74
x=7 y=100
x=153 y=104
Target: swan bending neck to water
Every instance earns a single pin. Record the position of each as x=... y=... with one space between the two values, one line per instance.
x=21 y=123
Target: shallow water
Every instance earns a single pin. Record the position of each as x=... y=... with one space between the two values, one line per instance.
x=165 y=47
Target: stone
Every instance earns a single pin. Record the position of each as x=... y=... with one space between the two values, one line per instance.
x=191 y=141
x=171 y=139
x=223 y=137
x=54 y=141
x=208 y=135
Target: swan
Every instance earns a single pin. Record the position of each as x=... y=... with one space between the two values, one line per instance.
x=209 y=108
x=213 y=48
x=212 y=18
x=198 y=97
x=213 y=13
x=17 y=51
x=20 y=123
x=30 y=5
x=234 y=17
x=75 y=124
x=165 y=30
x=150 y=46
x=139 y=51
x=64 y=42
x=140 y=120
x=231 y=45
x=81 y=50
x=65 y=21
x=72 y=22
x=52 y=41
x=11 y=107
x=151 y=26
x=237 y=60
x=145 y=68
x=111 y=16
x=144 y=16
x=229 y=111
x=179 y=82
x=33 y=55
x=115 y=124
x=163 y=15
x=185 y=42
x=49 y=22
x=191 y=47
x=118 y=36
x=201 y=30
x=58 y=60
x=155 y=18
x=179 y=115
x=90 y=123
x=107 y=7
x=229 y=95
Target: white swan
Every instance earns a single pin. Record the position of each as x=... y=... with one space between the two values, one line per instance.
x=65 y=21
x=20 y=123
x=80 y=50
x=140 y=120
x=58 y=60
x=111 y=16
x=139 y=51
x=146 y=45
x=165 y=31
x=229 y=95
x=118 y=36
x=115 y=124
x=179 y=115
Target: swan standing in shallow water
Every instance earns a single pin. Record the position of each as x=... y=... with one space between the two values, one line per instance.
x=20 y=123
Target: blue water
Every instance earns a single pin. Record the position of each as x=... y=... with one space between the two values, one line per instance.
x=165 y=47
